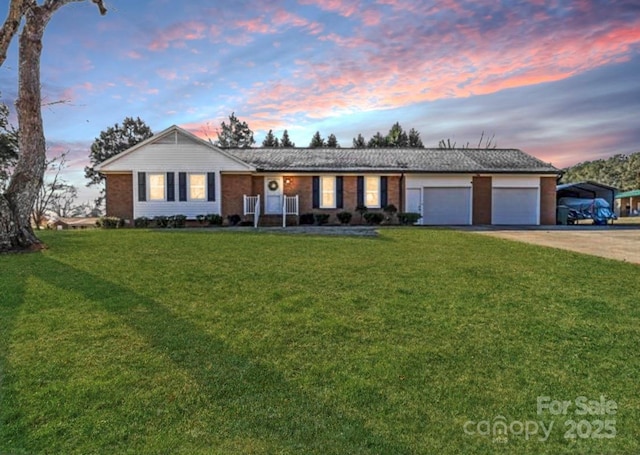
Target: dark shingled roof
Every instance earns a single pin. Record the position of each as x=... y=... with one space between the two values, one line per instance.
x=391 y=160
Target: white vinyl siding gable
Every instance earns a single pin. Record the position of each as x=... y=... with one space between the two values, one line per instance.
x=186 y=157
x=175 y=153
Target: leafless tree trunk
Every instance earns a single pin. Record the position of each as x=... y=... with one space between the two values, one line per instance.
x=16 y=203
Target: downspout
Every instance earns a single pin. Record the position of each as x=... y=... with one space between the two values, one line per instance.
x=401 y=195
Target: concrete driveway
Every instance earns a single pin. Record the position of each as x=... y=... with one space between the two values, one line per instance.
x=613 y=242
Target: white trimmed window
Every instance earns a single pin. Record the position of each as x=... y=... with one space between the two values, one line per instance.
x=156 y=187
x=327 y=192
x=372 y=192
x=197 y=187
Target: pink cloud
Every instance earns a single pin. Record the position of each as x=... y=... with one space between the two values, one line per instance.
x=177 y=34
x=344 y=8
x=255 y=25
x=371 y=17
x=134 y=55
x=238 y=40
x=397 y=63
x=279 y=19
x=169 y=75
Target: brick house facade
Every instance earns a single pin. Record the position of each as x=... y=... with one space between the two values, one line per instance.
x=174 y=172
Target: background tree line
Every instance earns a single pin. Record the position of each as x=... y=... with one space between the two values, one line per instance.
x=619 y=171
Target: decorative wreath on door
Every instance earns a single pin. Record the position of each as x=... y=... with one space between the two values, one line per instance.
x=273 y=185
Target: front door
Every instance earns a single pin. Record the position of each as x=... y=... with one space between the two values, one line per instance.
x=273 y=195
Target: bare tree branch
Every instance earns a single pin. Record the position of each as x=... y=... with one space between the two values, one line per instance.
x=17 y=9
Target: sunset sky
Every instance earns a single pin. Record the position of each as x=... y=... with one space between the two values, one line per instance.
x=557 y=79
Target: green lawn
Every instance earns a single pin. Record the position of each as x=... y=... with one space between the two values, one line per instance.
x=133 y=341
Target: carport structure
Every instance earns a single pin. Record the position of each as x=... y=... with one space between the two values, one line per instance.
x=587 y=190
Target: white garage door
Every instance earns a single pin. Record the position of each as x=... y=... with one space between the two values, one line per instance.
x=514 y=206
x=446 y=206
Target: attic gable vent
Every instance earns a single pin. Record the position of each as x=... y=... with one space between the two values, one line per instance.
x=168 y=139
x=182 y=139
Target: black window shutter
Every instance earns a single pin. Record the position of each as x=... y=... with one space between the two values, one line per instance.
x=360 y=193
x=182 y=186
x=142 y=186
x=211 y=186
x=316 y=192
x=383 y=191
x=171 y=186
x=339 y=186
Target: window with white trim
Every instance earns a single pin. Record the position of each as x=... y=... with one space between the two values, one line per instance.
x=197 y=187
x=372 y=192
x=156 y=187
x=327 y=192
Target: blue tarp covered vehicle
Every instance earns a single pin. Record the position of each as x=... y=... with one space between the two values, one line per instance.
x=596 y=209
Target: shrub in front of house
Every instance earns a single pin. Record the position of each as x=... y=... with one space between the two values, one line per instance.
x=307 y=218
x=141 y=222
x=234 y=220
x=110 y=222
x=321 y=218
x=408 y=217
x=176 y=221
x=390 y=210
x=373 y=217
x=160 y=221
x=361 y=209
x=214 y=219
x=344 y=217
x=201 y=218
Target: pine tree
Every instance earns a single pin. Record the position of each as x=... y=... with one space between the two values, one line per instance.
x=270 y=140
x=397 y=137
x=414 y=139
x=317 y=141
x=377 y=141
x=236 y=134
x=332 y=142
x=285 y=142
x=359 y=142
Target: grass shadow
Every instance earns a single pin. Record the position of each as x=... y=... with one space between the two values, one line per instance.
x=255 y=401
x=12 y=297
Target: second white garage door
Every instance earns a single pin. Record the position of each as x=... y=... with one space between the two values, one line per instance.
x=446 y=206
x=514 y=206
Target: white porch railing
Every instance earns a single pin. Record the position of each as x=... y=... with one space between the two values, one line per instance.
x=289 y=207
x=252 y=207
x=256 y=213
x=250 y=204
